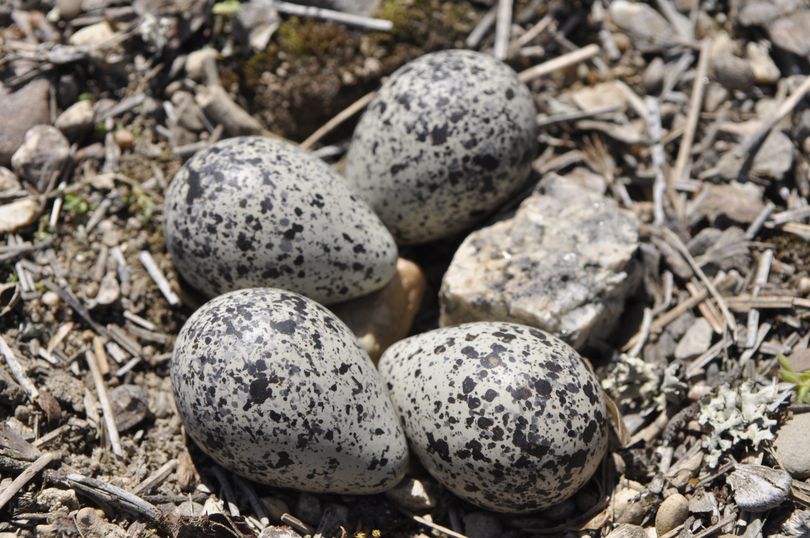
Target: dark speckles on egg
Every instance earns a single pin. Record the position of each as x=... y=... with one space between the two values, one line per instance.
x=272 y=386
x=523 y=421
x=449 y=137
x=237 y=210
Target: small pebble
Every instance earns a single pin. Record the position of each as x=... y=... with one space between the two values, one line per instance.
x=92 y=35
x=77 y=120
x=18 y=214
x=44 y=151
x=412 y=495
x=189 y=509
x=733 y=72
x=50 y=298
x=69 y=9
x=791 y=446
x=124 y=139
x=697 y=340
x=627 y=505
x=672 y=512
x=130 y=406
x=8 y=180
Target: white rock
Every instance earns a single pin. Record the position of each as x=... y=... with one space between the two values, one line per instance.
x=791 y=446
x=109 y=291
x=8 y=180
x=197 y=61
x=564 y=263
x=76 y=120
x=628 y=506
x=50 y=298
x=18 y=214
x=642 y=23
x=93 y=35
x=44 y=151
x=411 y=494
x=604 y=94
x=696 y=341
x=763 y=66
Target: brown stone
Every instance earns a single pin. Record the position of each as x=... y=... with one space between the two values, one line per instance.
x=385 y=316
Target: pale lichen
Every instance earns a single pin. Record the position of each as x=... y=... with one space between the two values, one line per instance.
x=638 y=385
x=735 y=415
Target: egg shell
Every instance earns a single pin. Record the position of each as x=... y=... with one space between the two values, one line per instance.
x=253 y=211
x=506 y=416
x=449 y=137
x=275 y=388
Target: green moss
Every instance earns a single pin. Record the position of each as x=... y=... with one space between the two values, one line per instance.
x=75 y=204
x=326 y=63
x=310 y=37
x=140 y=204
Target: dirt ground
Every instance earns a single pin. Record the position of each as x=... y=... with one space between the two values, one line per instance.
x=75 y=280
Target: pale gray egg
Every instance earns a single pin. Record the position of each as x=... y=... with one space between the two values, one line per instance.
x=253 y=211
x=275 y=388
x=506 y=416
x=449 y=137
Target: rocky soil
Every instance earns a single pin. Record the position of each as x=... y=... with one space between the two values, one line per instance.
x=664 y=233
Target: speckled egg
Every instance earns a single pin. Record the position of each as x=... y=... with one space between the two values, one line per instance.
x=253 y=211
x=275 y=388
x=506 y=416
x=449 y=137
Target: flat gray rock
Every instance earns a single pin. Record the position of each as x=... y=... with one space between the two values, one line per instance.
x=564 y=263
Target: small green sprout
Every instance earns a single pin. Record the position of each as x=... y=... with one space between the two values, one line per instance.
x=76 y=204
x=226 y=8
x=800 y=379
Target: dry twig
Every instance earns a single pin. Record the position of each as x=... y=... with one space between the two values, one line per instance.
x=26 y=476
x=560 y=62
x=106 y=408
